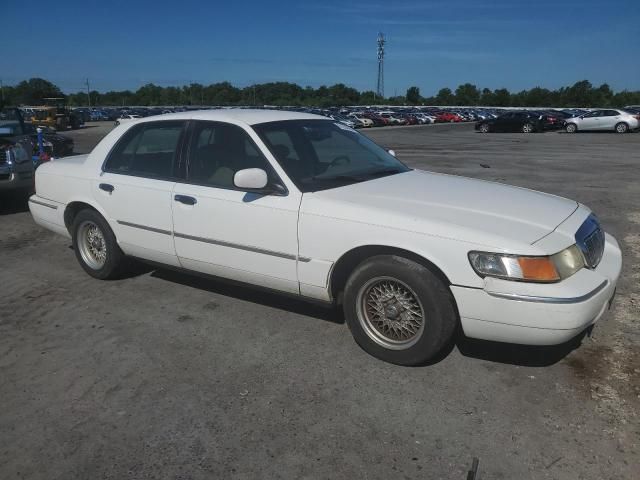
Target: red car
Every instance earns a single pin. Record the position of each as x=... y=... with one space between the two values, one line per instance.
x=448 y=117
x=411 y=120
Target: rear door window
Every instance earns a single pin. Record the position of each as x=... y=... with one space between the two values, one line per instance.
x=147 y=150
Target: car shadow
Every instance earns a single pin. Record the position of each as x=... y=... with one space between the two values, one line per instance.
x=521 y=355
x=252 y=294
x=12 y=203
x=511 y=354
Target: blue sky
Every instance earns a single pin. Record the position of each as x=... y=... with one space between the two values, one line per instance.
x=431 y=43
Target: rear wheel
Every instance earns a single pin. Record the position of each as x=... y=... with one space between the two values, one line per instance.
x=571 y=128
x=96 y=247
x=622 y=127
x=527 y=128
x=398 y=310
x=484 y=128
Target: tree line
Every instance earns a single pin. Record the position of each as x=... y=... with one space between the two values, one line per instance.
x=580 y=94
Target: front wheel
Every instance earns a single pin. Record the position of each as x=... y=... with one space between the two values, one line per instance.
x=96 y=247
x=527 y=128
x=398 y=310
x=571 y=128
x=484 y=128
x=622 y=127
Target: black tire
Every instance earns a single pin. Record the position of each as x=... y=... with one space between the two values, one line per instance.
x=439 y=317
x=114 y=263
x=485 y=128
x=528 y=128
x=571 y=128
x=622 y=127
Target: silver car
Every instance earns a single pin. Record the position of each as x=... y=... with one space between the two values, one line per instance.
x=605 y=119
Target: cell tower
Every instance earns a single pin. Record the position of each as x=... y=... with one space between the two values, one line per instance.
x=381 y=42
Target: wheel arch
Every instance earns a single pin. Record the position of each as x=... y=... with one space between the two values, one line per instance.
x=74 y=207
x=623 y=122
x=347 y=263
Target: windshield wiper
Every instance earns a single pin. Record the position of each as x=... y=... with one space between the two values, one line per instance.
x=350 y=178
x=360 y=177
x=382 y=172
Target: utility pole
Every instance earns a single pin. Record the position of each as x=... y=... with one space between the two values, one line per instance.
x=88 y=93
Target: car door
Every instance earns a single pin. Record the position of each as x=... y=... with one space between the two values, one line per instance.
x=135 y=189
x=225 y=231
x=609 y=119
x=591 y=121
x=503 y=122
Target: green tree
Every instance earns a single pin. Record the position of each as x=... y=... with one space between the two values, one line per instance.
x=580 y=94
x=537 y=97
x=487 y=97
x=413 y=96
x=32 y=91
x=444 y=97
x=467 y=94
x=501 y=98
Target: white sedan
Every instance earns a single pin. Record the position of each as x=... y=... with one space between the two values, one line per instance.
x=619 y=121
x=307 y=206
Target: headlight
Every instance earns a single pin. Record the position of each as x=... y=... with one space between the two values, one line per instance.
x=528 y=269
x=8 y=152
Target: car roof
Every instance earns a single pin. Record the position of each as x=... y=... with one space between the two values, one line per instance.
x=235 y=115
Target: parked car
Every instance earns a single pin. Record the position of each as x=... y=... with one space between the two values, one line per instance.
x=304 y=205
x=378 y=121
x=619 y=121
x=525 y=122
x=392 y=118
x=16 y=163
x=349 y=122
x=126 y=117
x=448 y=117
x=55 y=144
x=364 y=121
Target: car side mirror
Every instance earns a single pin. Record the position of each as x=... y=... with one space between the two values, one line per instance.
x=392 y=153
x=251 y=179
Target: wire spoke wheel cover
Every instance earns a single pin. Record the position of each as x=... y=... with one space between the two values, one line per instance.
x=390 y=313
x=92 y=245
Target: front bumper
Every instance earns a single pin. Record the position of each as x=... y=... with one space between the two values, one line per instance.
x=11 y=180
x=540 y=314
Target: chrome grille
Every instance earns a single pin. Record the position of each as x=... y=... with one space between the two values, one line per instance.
x=590 y=240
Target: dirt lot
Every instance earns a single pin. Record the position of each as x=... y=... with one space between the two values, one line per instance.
x=164 y=375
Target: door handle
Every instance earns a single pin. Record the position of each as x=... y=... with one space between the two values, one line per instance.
x=106 y=187
x=185 y=199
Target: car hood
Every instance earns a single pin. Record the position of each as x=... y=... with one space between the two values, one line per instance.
x=476 y=211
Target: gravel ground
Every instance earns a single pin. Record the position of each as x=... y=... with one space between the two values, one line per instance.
x=163 y=375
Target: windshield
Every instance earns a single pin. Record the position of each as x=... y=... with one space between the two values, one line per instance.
x=321 y=154
x=9 y=119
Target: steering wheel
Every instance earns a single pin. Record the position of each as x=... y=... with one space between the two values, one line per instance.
x=340 y=160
